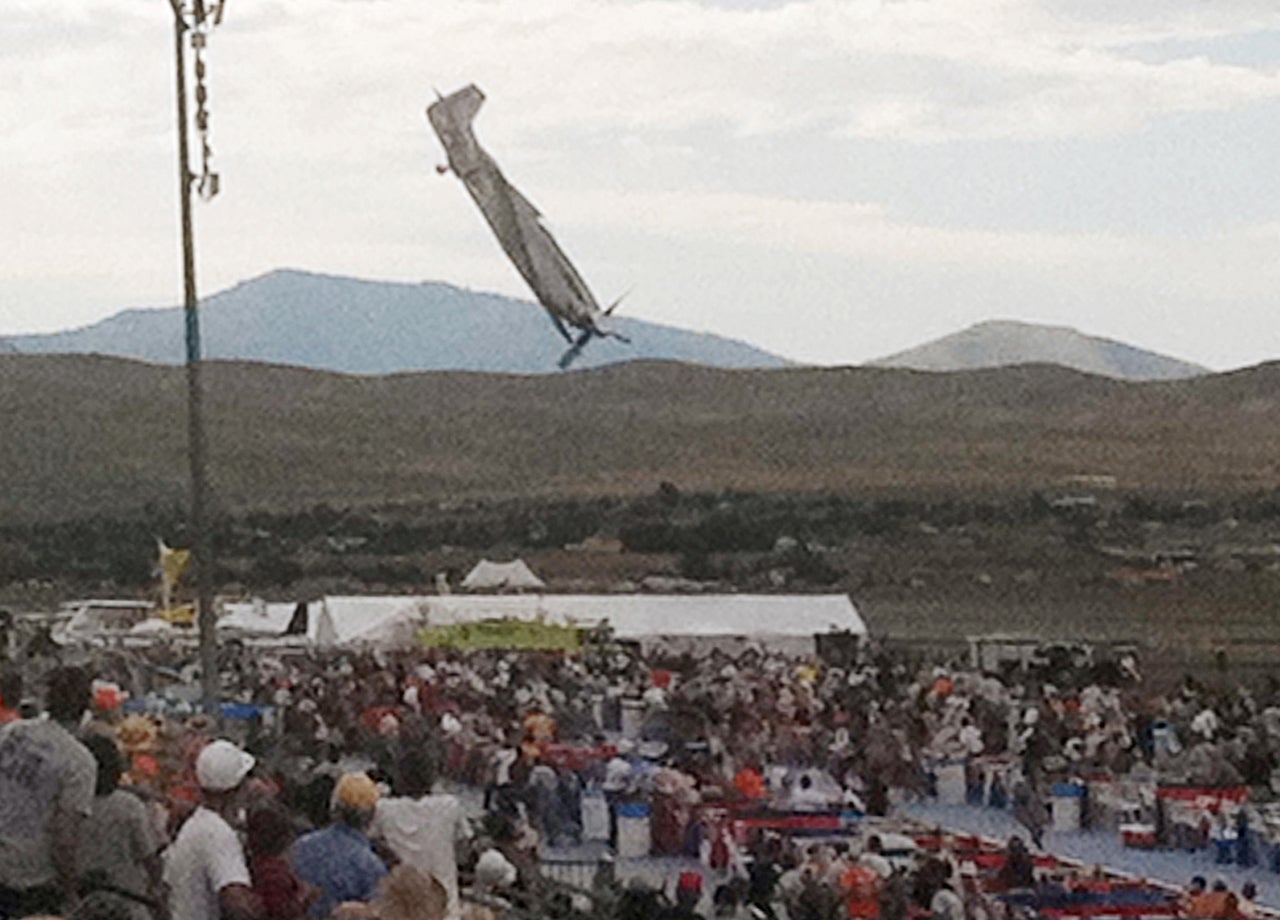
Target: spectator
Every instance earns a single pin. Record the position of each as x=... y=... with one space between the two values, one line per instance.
x=688 y=894
x=1247 y=907
x=283 y=894
x=1018 y=870
x=206 y=872
x=873 y=857
x=946 y=904
x=47 y=780
x=118 y=844
x=1030 y=811
x=339 y=860
x=424 y=830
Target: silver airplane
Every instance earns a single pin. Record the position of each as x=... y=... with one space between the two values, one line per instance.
x=518 y=226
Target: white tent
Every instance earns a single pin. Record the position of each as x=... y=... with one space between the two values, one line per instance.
x=256 y=618
x=370 y=621
x=491 y=576
x=786 y=622
x=152 y=627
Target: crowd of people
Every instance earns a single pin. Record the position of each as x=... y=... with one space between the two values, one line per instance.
x=325 y=798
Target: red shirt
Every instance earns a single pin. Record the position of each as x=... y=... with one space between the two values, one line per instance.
x=283 y=895
x=861 y=885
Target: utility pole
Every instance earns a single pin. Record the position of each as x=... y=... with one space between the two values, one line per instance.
x=195 y=22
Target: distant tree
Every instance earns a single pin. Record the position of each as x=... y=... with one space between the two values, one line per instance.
x=16 y=561
x=273 y=569
x=668 y=493
x=697 y=564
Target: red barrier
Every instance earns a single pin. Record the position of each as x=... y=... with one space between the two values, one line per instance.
x=1204 y=798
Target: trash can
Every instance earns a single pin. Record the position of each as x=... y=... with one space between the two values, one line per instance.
x=633 y=830
x=632 y=717
x=952 y=788
x=1067 y=803
x=595 y=817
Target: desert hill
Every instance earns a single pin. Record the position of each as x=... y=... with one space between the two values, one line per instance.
x=1004 y=343
x=373 y=327
x=106 y=435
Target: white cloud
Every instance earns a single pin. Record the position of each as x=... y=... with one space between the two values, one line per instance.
x=318 y=129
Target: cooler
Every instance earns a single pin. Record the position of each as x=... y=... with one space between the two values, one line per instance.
x=1067 y=805
x=952 y=787
x=632 y=717
x=633 y=830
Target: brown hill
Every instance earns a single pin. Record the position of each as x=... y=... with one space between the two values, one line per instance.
x=94 y=434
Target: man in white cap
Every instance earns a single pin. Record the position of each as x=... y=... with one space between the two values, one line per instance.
x=205 y=868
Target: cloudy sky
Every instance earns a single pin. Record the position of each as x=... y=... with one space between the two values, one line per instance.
x=833 y=180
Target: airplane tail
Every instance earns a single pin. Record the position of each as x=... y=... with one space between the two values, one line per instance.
x=613 y=306
x=605 y=332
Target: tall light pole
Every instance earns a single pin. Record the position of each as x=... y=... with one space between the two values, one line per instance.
x=195 y=22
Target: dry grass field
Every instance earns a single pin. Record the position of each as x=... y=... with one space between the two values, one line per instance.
x=90 y=434
x=928 y=497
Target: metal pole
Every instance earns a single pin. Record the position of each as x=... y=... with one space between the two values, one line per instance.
x=209 y=683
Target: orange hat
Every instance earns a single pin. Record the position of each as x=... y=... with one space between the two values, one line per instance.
x=356 y=790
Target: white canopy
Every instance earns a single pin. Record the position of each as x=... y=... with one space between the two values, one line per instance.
x=379 y=621
x=256 y=618
x=152 y=627
x=501 y=575
x=787 y=621
x=652 y=616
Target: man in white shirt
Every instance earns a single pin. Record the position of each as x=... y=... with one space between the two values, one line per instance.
x=205 y=868
x=946 y=904
x=873 y=857
x=423 y=830
x=47 y=780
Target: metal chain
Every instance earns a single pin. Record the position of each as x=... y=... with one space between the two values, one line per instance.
x=207 y=185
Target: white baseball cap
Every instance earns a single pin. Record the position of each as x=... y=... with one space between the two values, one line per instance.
x=493 y=870
x=222 y=766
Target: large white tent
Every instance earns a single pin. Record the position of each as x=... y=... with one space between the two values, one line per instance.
x=368 y=621
x=785 y=621
x=638 y=616
x=330 y=621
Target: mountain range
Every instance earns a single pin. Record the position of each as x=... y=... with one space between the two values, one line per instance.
x=374 y=327
x=353 y=326
x=1002 y=343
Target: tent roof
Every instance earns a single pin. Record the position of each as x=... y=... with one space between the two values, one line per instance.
x=347 y=620
x=258 y=619
x=378 y=619
x=635 y=616
x=513 y=574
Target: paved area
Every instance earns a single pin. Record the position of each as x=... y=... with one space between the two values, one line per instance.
x=1102 y=848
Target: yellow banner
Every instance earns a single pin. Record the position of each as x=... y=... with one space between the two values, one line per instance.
x=503 y=634
x=173 y=565
x=184 y=615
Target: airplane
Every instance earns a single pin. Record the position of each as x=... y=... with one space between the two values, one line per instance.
x=519 y=228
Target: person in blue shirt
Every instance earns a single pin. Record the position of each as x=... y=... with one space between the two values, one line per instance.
x=339 y=860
